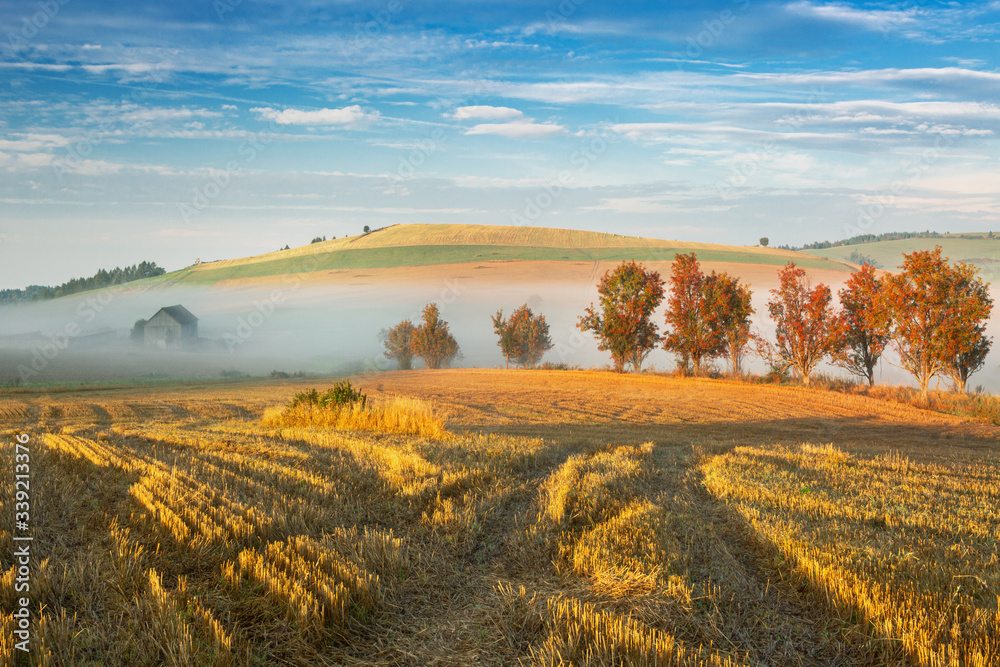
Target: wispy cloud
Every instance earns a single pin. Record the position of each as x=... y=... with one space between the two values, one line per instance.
x=526 y=129
x=483 y=112
x=351 y=115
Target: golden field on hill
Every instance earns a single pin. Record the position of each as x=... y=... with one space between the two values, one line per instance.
x=564 y=518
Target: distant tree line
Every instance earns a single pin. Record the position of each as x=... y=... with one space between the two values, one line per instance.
x=870 y=238
x=103 y=278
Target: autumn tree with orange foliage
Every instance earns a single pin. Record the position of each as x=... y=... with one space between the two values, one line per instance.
x=432 y=341
x=628 y=297
x=938 y=317
x=807 y=328
x=398 y=342
x=733 y=302
x=524 y=336
x=867 y=323
x=694 y=314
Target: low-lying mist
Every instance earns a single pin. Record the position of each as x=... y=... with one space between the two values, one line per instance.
x=293 y=326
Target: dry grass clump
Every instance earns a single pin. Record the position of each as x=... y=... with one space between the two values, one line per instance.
x=630 y=554
x=315 y=586
x=577 y=633
x=402 y=415
x=914 y=549
x=588 y=488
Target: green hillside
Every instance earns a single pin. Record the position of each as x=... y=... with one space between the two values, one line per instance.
x=427 y=245
x=981 y=251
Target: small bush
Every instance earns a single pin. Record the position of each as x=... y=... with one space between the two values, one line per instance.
x=338 y=395
x=561 y=366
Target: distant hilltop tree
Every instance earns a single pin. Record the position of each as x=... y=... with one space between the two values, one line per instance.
x=622 y=323
x=764 y=241
x=524 y=336
x=367 y=229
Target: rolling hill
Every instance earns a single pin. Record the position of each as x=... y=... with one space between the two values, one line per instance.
x=977 y=249
x=479 y=246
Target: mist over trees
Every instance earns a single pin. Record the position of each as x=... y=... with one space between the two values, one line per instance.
x=622 y=324
x=806 y=327
x=524 y=336
x=398 y=343
x=938 y=318
x=431 y=340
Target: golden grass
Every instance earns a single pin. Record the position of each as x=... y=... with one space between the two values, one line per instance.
x=398 y=415
x=565 y=518
x=912 y=548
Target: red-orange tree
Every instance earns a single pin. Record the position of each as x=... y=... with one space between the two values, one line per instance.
x=694 y=314
x=732 y=300
x=938 y=312
x=807 y=328
x=524 y=337
x=398 y=342
x=867 y=323
x=432 y=341
x=628 y=297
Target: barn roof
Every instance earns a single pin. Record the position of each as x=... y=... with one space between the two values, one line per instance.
x=180 y=314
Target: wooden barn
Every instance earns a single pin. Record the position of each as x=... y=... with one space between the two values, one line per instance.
x=171 y=327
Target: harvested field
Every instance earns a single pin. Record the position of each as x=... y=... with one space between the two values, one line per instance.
x=576 y=518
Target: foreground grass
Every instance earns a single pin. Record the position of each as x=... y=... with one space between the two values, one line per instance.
x=571 y=518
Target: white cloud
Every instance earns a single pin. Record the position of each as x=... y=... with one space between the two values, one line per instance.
x=526 y=129
x=484 y=113
x=152 y=115
x=872 y=19
x=351 y=115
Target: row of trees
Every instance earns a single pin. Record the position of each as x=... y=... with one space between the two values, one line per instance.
x=523 y=339
x=932 y=314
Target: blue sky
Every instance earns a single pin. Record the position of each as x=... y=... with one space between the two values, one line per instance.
x=222 y=128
